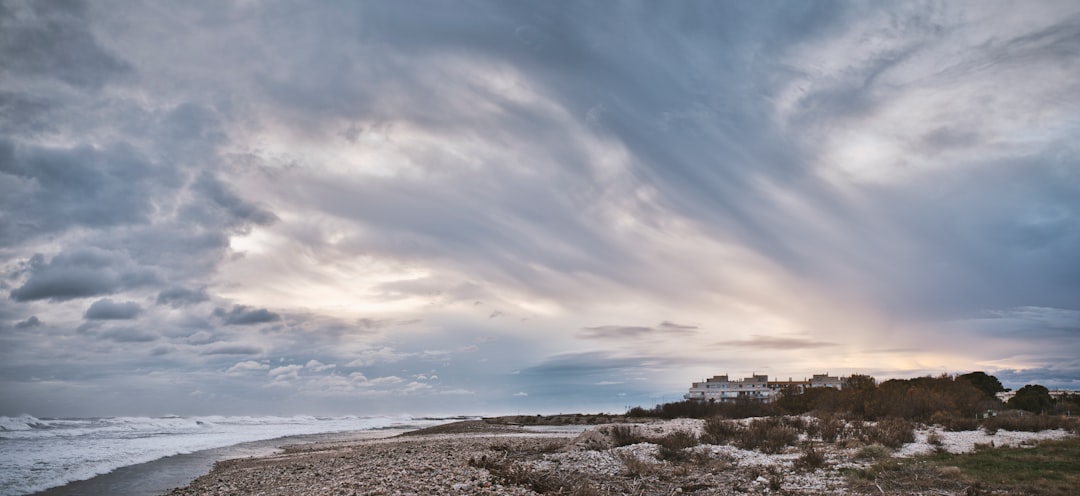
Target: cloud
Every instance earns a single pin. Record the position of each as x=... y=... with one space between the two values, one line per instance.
x=317 y=366
x=631 y=332
x=245 y=315
x=247 y=366
x=776 y=343
x=106 y=309
x=177 y=297
x=49 y=40
x=65 y=187
x=29 y=323
x=773 y=177
x=376 y=356
x=286 y=372
x=127 y=335
x=225 y=206
x=80 y=273
x=232 y=349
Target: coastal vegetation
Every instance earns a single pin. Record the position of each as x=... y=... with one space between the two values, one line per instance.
x=947 y=399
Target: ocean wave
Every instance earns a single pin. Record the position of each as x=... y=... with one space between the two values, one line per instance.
x=37 y=454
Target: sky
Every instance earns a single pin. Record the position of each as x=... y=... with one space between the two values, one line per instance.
x=471 y=207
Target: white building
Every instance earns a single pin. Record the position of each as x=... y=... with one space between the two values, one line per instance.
x=756 y=387
x=719 y=388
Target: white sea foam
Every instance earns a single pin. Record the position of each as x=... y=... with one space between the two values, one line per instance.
x=36 y=454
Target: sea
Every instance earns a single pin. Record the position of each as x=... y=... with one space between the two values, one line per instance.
x=147 y=456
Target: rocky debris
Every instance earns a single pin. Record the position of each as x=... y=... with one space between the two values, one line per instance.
x=493 y=458
x=397 y=466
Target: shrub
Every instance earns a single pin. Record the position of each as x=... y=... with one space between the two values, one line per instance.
x=635 y=467
x=934 y=439
x=873 y=452
x=797 y=423
x=854 y=430
x=540 y=481
x=624 y=435
x=767 y=435
x=720 y=431
x=830 y=428
x=892 y=432
x=1027 y=423
x=672 y=446
x=811 y=459
x=954 y=423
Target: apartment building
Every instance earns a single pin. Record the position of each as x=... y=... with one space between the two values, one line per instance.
x=756 y=387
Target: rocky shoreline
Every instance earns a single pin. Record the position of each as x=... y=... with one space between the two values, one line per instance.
x=431 y=461
x=507 y=458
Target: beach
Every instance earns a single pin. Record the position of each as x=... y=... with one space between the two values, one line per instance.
x=497 y=458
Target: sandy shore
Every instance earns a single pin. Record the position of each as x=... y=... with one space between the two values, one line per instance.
x=478 y=457
x=432 y=463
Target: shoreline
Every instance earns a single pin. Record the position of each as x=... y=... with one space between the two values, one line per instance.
x=433 y=460
x=160 y=476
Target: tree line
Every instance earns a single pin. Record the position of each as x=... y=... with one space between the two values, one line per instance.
x=923 y=399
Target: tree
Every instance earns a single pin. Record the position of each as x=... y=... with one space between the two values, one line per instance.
x=988 y=384
x=1033 y=398
x=858 y=393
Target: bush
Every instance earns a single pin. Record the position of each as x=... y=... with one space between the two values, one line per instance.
x=811 y=459
x=672 y=446
x=767 y=435
x=830 y=428
x=624 y=435
x=954 y=423
x=720 y=431
x=892 y=432
x=934 y=439
x=1027 y=423
x=540 y=481
x=635 y=467
x=797 y=423
x=873 y=452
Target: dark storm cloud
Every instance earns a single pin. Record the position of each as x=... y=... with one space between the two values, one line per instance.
x=52 y=39
x=106 y=309
x=55 y=188
x=245 y=315
x=80 y=273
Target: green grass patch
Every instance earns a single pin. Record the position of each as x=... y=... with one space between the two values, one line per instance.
x=1051 y=468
